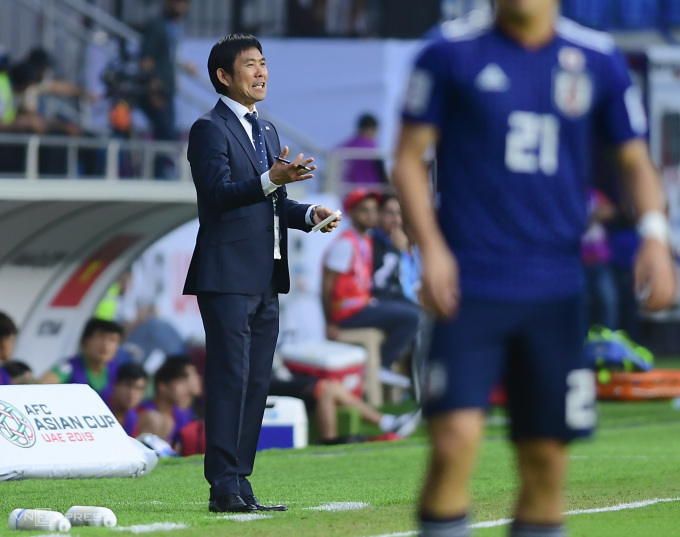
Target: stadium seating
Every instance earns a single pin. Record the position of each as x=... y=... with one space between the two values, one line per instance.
x=671 y=13
x=631 y=15
x=370 y=339
x=592 y=13
x=638 y=14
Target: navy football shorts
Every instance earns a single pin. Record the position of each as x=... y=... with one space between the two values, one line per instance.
x=534 y=349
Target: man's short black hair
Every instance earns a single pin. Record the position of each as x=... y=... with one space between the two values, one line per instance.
x=224 y=54
x=367 y=121
x=7 y=326
x=100 y=325
x=130 y=371
x=15 y=368
x=173 y=368
x=387 y=196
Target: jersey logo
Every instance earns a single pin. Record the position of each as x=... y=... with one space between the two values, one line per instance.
x=572 y=85
x=572 y=93
x=492 y=79
x=419 y=92
x=571 y=59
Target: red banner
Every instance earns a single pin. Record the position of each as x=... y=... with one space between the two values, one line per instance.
x=77 y=286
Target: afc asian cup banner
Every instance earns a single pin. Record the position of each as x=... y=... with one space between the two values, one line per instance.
x=64 y=431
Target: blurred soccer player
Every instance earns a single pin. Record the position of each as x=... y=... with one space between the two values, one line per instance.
x=512 y=100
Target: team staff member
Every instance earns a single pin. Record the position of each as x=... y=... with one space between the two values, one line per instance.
x=512 y=101
x=240 y=262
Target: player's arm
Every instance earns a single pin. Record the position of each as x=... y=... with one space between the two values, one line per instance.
x=654 y=267
x=410 y=177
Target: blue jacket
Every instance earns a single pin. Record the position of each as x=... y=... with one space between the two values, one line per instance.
x=235 y=244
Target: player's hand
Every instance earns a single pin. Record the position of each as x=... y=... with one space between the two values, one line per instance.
x=440 y=290
x=321 y=214
x=654 y=275
x=282 y=174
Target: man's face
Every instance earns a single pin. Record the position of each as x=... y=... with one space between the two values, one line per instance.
x=178 y=392
x=129 y=393
x=248 y=84
x=101 y=347
x=521 y=9
x=365 y=214
x=194 y=379
x=7 y=347
x=390 y=216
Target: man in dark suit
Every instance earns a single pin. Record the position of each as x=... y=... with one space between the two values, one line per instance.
x=240 y=263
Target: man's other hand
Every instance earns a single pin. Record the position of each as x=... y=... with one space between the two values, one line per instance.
x=321 y=214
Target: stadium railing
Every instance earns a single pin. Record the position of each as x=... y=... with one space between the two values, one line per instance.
x=33 y=157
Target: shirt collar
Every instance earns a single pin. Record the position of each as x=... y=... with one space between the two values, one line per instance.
x=238 y=109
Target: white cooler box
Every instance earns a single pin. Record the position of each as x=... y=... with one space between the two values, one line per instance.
x=327 y=360
x=284 y=424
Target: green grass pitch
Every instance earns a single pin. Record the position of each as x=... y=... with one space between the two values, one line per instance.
x=634 y=456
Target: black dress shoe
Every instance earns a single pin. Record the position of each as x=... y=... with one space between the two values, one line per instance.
x=253 y=502
x=230 y=503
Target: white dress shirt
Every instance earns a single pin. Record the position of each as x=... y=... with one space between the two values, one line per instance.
x=267 y=186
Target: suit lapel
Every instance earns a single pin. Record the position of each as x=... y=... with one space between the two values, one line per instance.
x=234 y=125
x=271 y=142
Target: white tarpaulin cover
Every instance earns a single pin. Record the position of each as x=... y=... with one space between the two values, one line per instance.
x=64 y=431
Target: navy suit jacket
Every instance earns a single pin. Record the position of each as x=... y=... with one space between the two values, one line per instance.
x=235 y=244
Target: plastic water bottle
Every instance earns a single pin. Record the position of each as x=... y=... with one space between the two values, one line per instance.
x=89 y=515
x=675 y=403
x=38 y=519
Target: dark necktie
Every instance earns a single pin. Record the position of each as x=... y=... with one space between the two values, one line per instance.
x=258 y=139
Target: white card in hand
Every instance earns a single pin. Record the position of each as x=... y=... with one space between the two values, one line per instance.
x=328 y=220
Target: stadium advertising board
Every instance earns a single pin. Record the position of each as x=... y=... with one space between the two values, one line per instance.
x=64 y=431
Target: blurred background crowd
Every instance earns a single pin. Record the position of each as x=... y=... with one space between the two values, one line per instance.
x=92 y=71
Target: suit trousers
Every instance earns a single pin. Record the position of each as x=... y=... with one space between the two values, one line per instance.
x=240 y=338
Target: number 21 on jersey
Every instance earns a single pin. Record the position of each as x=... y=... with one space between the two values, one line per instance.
x=532 y=143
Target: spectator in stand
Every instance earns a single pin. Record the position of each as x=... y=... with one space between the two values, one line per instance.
x=8 y=336
x=347 y=283
x=15 y=372
x=32 y=81
x=159 y=61
x=127 y=394
x=391 y=253
x=7 y=108
x=94 y=364
x=11 y=120
x=365 y=172
x=323 y=397
x=600 y=278
x=167 y=412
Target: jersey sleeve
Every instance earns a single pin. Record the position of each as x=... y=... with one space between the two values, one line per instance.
x=622 y=115
x=424 y=100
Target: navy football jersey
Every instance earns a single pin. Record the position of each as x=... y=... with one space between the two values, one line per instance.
x=516 y=127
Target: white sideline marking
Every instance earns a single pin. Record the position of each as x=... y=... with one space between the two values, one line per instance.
x=505 y=521
x=148 y=528
x=241 y=517
x=622 y=506
x=339 y=506
x=582 y=457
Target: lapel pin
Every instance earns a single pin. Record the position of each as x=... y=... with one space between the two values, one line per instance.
x=266 y=127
